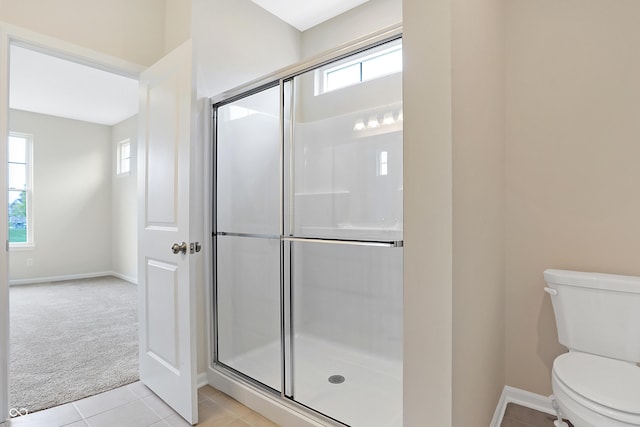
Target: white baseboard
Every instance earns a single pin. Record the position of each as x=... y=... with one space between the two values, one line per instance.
x=59 y=278
x=72 y=277
x=202 y=379
x=130 y=279
x=520 y=397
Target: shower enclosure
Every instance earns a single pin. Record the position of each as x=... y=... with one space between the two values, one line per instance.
x=308 y=236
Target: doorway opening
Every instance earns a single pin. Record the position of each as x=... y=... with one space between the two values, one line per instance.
x=72 y=230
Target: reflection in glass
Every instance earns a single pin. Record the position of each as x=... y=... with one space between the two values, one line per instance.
x=248 y=164
x=343 y=186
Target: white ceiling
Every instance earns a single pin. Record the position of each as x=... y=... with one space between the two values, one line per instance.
x=308 y=13
x=49 y=85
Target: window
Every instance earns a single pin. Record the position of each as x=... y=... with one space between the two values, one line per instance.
x=371 y=64
x=20 y=190
x=124 y=158
x=383 y=163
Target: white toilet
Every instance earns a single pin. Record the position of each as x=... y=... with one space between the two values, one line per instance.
x=597 y=383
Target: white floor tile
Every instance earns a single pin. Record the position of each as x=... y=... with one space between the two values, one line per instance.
x=133 y=414
x=54 y=417
x=158 y=406
x=104 y=401
x=139 y=389
x=176 y=421
x=136 y=406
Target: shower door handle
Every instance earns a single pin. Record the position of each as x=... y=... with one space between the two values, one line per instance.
x=176 y=248
x=389 y=244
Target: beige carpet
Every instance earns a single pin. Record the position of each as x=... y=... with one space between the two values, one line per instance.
x=71 y=340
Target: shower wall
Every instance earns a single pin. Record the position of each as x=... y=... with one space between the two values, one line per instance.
x=350 y=296
x=340 y=137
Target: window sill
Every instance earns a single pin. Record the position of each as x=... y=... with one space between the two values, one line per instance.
x=21 y=247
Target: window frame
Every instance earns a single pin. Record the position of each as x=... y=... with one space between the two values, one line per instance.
x=119 y=158
x=30 y=243
x=322 y=73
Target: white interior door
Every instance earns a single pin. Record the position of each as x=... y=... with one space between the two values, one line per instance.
x=167 y=293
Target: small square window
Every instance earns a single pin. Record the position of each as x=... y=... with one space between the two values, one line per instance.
x=124 y=158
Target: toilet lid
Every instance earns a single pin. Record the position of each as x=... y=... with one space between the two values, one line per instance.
x=609 y=382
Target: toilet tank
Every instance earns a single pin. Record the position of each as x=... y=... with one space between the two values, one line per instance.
x=597 y=313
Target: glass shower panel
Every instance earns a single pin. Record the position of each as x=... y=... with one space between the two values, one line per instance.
x=248 y=307
x=347 y=331
x=248 y=164
x=346 y=168
x=248 y=226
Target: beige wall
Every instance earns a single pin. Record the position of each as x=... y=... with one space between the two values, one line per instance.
x=454 y=211
x=478 y=209
x=71 y=198
x=360 y=21
x=177 y=23
x=573 y=144
x=238 y=41
x=427 y=213
x=130 y=30
x=124 y=196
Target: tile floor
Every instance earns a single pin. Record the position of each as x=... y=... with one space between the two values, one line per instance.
x=135 y=405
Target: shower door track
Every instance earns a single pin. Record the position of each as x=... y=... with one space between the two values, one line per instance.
x=274 y=394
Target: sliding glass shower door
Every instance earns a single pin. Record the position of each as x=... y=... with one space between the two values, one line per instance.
x=346 y=239
x=308 y=231
x=248 y=236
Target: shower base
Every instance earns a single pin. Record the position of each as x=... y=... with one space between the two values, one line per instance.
x=368 y=394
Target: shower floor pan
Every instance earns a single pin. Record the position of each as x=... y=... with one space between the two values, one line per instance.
x=350 y=386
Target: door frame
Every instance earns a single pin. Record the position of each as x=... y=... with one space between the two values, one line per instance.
x=14 y=35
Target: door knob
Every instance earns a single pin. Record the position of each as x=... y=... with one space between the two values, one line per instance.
x=177 y=248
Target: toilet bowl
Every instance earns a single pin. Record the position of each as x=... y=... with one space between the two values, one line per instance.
x=595 y=391
x=597 y=383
